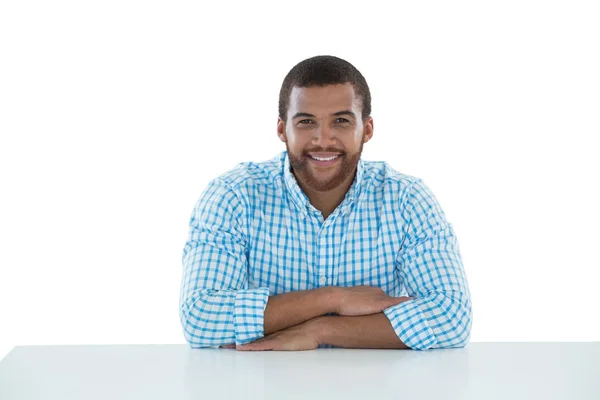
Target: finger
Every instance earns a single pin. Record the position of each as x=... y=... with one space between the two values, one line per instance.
x=255 y=347
x=259 y=345
x=400 y=300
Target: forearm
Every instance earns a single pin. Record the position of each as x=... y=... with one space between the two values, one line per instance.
x=293 y=308
x=362 y=332
x=214 y=318
x=439 y=320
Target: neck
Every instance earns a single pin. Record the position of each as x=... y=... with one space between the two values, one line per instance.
x=327 y=202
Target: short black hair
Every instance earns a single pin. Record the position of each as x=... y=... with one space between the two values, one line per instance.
x=322 y=71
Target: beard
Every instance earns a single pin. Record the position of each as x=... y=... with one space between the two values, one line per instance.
x=302 y=171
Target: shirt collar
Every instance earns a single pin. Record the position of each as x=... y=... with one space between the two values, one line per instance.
x=300 y=199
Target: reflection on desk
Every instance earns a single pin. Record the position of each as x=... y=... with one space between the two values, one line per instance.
x=479 y=371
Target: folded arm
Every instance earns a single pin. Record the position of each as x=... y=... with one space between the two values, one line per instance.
x=218 y=308
x=362 y=332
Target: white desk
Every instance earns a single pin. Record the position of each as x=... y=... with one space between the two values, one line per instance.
x=479 y=371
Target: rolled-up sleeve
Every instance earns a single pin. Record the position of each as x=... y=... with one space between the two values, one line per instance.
x=430 y=267
x=216 y=305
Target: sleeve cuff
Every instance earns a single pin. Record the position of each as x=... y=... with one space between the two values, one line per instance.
x=411 y=325
x=249 y=314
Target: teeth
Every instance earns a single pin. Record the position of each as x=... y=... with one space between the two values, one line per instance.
x=324 y=159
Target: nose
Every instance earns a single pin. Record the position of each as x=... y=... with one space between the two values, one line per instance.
x=323 y=136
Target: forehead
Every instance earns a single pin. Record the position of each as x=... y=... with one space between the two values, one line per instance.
x=323 y=99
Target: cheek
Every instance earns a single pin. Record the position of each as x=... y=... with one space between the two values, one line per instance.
x=351 y=144
x=295 y=141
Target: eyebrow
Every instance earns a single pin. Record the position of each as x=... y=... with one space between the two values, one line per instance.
x=336 y=114
x=302 y=114
x=345 y=112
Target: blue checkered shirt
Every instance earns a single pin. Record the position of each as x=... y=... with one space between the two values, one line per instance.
x=253 y=234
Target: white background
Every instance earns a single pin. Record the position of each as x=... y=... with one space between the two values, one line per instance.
x=114 y=116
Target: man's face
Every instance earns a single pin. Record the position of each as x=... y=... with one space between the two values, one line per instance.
x=324 y=135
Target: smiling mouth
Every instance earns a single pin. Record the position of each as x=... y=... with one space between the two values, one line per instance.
x=324 y=161
x=331 y=158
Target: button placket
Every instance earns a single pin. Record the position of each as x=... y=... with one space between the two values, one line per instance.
x=322 y=258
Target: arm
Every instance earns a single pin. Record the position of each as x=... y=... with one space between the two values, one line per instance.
x=216 y=304
x=289 y=309
x=361 y=332
x=430 y=267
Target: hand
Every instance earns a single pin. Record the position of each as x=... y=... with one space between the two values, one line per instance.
x=364 y=300
x=299 y=337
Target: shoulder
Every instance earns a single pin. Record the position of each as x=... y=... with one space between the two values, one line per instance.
x=247 y=179
x=406 y=194
x=234 y=190
x=252 y=173
x=380 y=176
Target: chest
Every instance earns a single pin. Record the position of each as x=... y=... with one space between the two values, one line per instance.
x=290 y=252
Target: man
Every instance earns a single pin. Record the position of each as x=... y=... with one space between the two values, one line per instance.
x=318 y=248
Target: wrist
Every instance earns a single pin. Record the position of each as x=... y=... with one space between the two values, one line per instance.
x=330 y=298
x=317 y=328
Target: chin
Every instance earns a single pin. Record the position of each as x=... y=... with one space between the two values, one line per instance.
x=323 y=185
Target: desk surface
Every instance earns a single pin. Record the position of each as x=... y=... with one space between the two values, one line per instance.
x=479 y=371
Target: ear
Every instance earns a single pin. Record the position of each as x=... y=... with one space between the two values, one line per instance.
x=368 y=130
x=281 y=130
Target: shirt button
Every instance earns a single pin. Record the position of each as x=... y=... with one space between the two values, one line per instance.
x=323 y=280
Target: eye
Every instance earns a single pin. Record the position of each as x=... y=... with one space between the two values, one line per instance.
x=341 y=121
x=305 y=122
